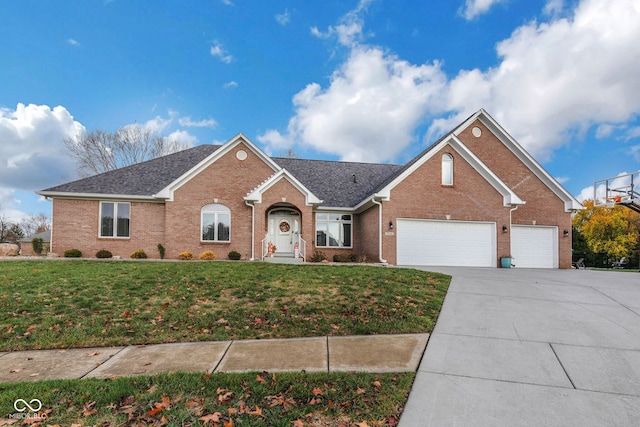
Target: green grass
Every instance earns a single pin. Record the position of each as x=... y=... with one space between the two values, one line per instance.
x=80 y=303
x=234 y=399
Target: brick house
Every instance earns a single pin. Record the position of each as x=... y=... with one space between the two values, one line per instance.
x=471 y=198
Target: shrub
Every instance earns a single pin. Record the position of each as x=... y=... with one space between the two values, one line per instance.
x=73 y=253
x=103 y=253
x=234 y=255
x=161 y=250
x=344 y=258
x=186 y=256
x=139 y=254
x=318 y=256
x=207 y=256
x=37 y=244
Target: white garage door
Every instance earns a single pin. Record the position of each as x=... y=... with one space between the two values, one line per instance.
x=454 y=243
x=534 y=246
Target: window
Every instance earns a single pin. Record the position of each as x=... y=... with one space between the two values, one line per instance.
x=114 y=219
x=447 y=169
x=216 y=223
x=333 y=230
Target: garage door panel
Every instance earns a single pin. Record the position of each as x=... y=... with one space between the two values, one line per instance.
x=534 y=246
x=446 y=243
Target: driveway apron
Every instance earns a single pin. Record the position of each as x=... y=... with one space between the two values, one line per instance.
x=526 y=347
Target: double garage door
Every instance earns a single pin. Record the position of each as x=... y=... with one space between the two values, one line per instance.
x=472 y=244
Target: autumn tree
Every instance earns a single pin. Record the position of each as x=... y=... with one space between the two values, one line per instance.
x=610 y=230
x=98 y=151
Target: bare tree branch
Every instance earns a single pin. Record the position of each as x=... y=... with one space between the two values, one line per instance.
x=98 y=151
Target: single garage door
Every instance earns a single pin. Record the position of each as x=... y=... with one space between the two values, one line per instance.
x=534 y=246
x=453 y=243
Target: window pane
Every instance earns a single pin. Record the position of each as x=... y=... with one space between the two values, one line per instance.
x=106 y=221
x=223 y=227
x=334 y=234
x=346 y=217
x=346 y=235
x=124 y=210
x=208 y=227
x=447 y=170
x=321 y=217
x=334 y=217
x=321 y=235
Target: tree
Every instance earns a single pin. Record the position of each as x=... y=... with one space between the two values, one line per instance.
x=98 y=151
x=614 y=231
x=34 y=224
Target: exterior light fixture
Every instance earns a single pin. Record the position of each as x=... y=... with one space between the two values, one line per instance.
x=391 y=225
x=566 y=233
x=504 y=229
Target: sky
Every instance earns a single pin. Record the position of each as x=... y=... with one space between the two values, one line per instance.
x=353 y=80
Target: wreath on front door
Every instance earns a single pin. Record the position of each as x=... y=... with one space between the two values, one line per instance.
x=284 y=226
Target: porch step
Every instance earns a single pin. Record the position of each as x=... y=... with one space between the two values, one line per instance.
x=289 y=259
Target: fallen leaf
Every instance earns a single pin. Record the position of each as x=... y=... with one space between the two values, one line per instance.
x=257 y=411
x=317 y=391
x=362 y=424
x=165 y=404
x=95 y=353
x=228 y=423
x=360 y=391
x=211 y=418
x=298 y=423
x=225 y=396
x=88 y=409
x=16 y=370
x=376 y=385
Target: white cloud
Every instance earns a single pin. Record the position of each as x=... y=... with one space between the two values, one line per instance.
x=283 y=18
x=73 y=42
x=553 y=82
x=204 y=123
x=349 y=28
x=231 y=84
x=557 y=79
x=32 y=152
x=218 y=51
x=227 y=2
x=474 y=8
x=183 y=137
x=554 y=7
x=369 y=110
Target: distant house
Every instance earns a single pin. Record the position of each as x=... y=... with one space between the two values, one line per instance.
x=26 y=248
x=472 y=197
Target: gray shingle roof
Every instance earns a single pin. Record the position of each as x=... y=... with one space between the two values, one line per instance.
x=142 y=179
x=333 y=182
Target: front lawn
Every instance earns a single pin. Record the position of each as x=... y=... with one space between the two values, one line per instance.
x=62 y=304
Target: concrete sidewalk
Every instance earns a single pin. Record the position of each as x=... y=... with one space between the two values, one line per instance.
x=372 y=353
x=524 y=347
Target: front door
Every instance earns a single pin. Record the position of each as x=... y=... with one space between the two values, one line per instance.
x=284 y=233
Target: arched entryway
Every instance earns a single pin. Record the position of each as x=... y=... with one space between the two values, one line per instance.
x=283 y=230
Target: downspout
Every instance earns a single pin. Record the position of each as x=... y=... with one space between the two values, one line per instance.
x=382 y=260
x=253 y=236
x=510 y=227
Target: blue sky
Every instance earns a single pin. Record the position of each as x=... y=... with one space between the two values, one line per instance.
x=358 y=80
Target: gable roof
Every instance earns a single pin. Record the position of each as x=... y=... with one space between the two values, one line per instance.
x=256 y=194
x=339 y=184
x=570 y=202
x=141 y=180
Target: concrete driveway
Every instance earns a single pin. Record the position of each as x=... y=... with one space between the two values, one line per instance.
x=524 y=347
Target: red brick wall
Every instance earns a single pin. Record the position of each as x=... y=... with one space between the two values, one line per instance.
x=228 y=180
x=367 y=231
x=422 y=195
x=75 y=226
x=542 y=205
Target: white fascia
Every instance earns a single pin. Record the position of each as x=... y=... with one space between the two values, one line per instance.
x=96 y=196
x=255 y=196
x=570 y=203
x=167 y=192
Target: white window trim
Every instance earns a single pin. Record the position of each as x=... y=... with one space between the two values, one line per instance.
x=340 y=221
x=115 y=220
x=215 y=220
x=447 y=158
